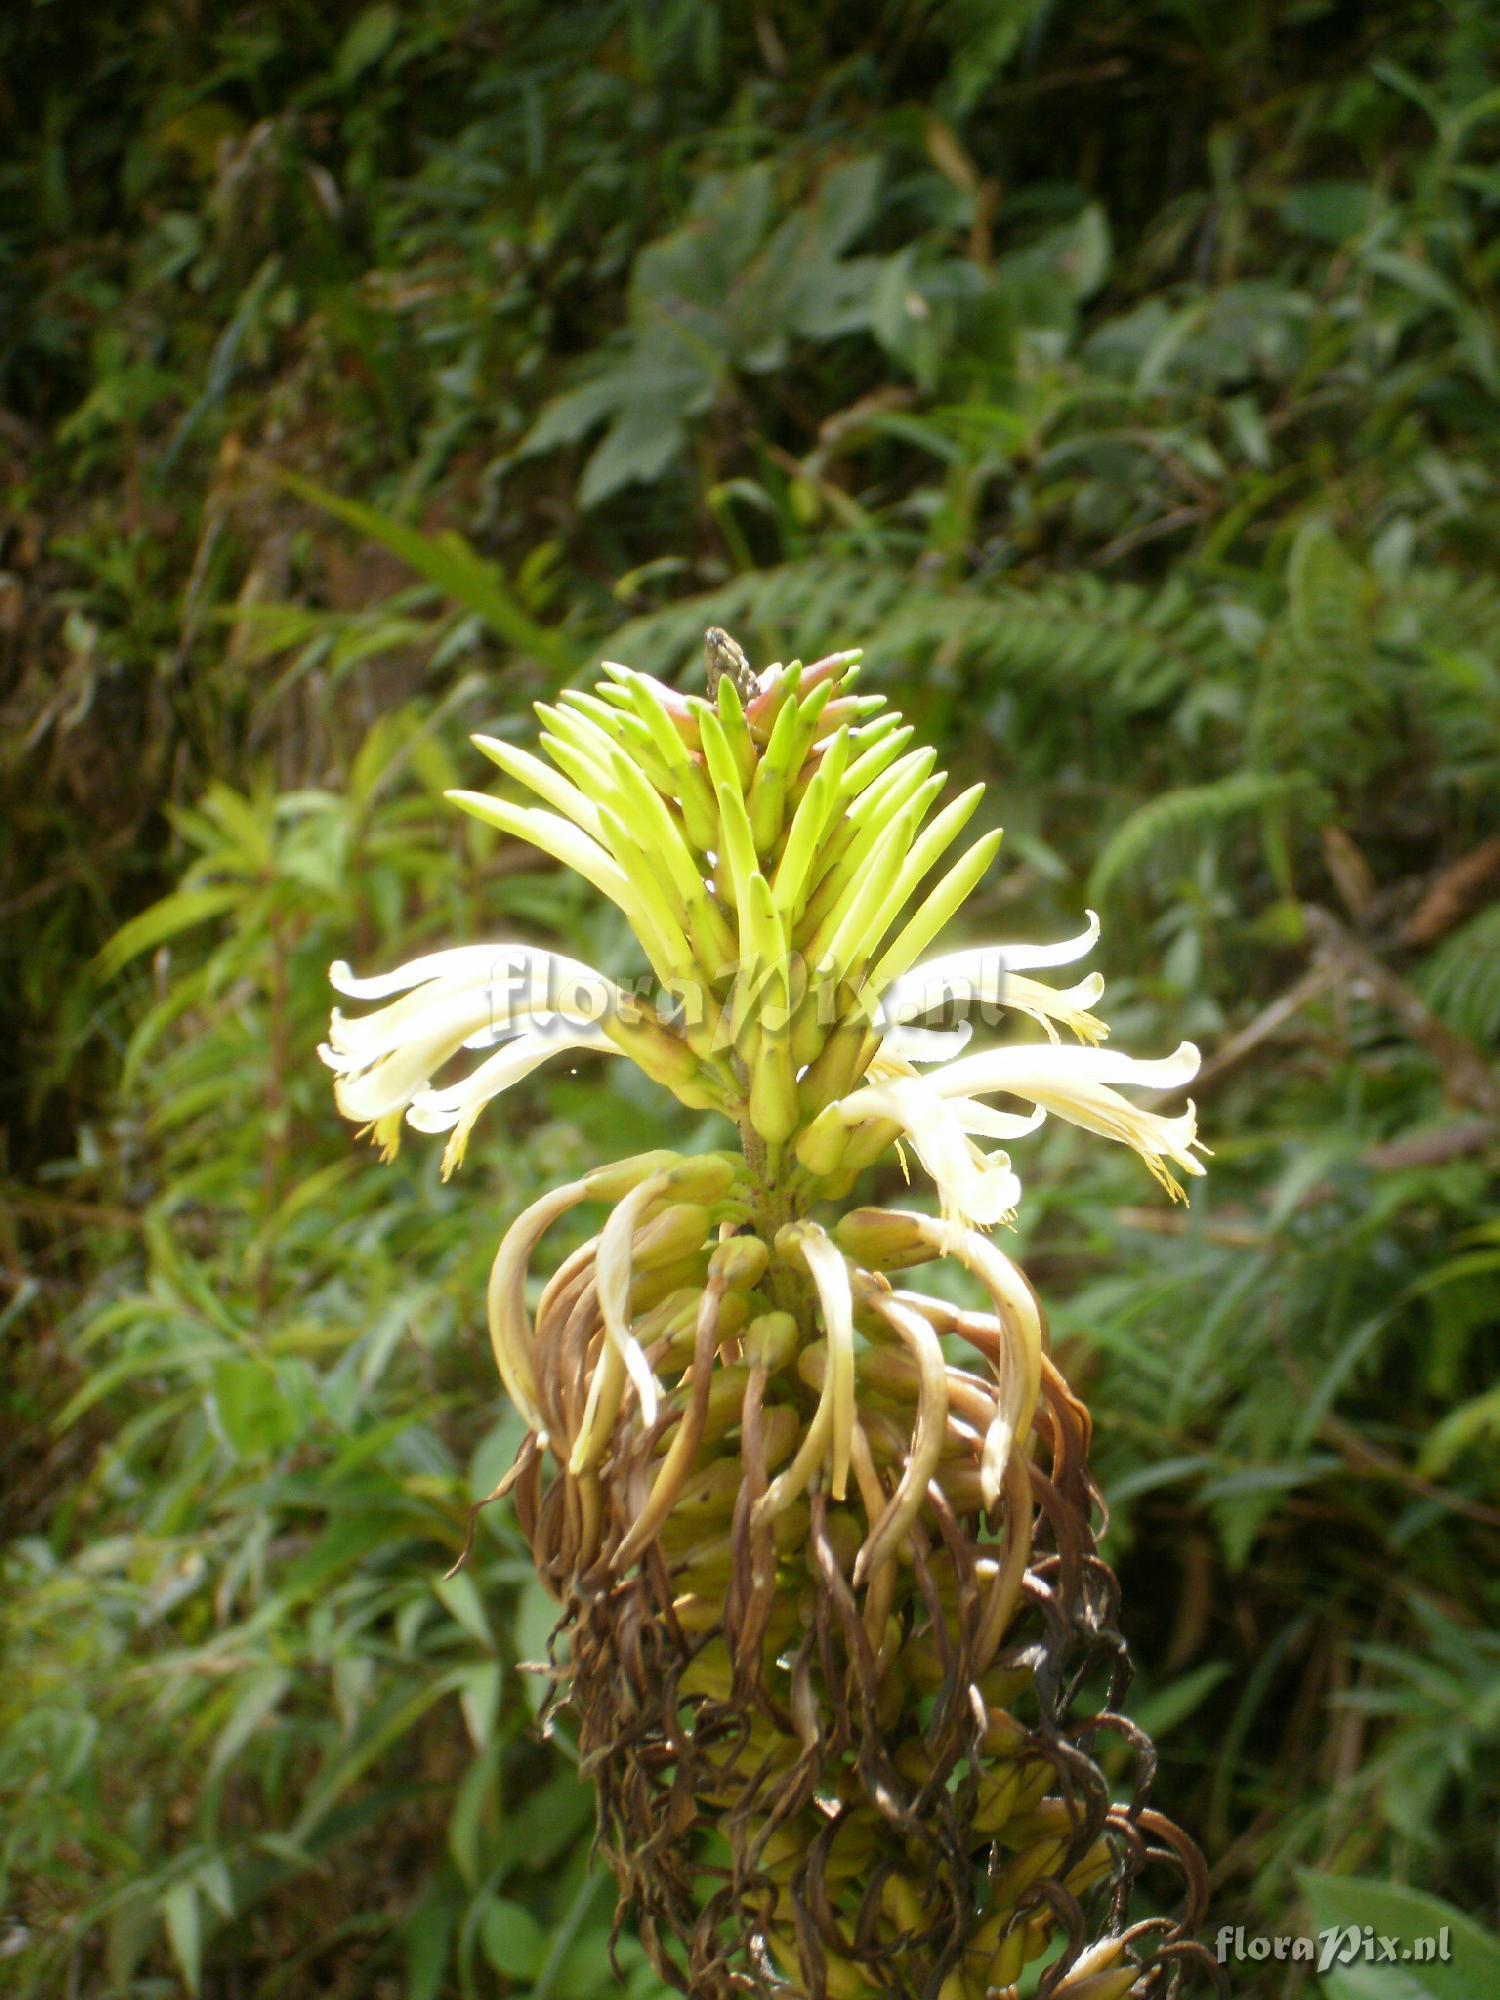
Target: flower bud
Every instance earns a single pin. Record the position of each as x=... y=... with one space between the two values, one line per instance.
x=672 y=1234
x=1011 y=1953
x=1017 y=1876
x=705 y=1177
x=770 y=1340
x=613 y=1182
x=1099 y=1985
x=649 y=1288
x=740 y=1261
x=998 y=1792
x=1098 y=1958
x=781 y=1433
x=882 y=1240
x=821 y=1146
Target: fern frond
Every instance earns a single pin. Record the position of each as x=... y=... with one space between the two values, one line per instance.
x=1460 y=980
x=1439 y=627
x=1190 y=810
x=1129 y=647
x=1323 y=695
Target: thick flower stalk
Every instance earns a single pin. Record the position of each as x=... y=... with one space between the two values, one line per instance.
x=833 y=1625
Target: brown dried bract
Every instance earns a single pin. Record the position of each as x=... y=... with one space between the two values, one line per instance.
x=811 y=1787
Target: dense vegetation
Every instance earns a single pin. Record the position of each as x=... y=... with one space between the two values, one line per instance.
x=1126 y=378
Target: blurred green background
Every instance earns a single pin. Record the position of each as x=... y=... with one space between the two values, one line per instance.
x=1125 y=378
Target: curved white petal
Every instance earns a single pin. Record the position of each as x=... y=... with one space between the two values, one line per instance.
x=612 y=1273
x=537 y=1002
x=982 y=970
x=441 y=1110
x=929 y=1045
x=977 y=1187
x=990 y=977
x=460 y=963
x=1076 y=1084
x=491 y=986
x=393 y=1082
x=830 y=1276
x=1017 y=1068
x=829 y=1433
x=445 y=1015
x=940 y=1111
x=985 y=1122
x=1027 y=957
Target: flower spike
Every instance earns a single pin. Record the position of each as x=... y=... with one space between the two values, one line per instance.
x=823 y=1549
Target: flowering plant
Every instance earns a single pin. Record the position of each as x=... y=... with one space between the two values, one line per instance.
x=829 y=1594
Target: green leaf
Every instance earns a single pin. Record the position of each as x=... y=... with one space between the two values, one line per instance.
x=1161 y=1710
x=1329 y=211
x=179 y=1908
x=816 y=235
x=460 y=1597
x=216 y=1882
x=514 y=1942
x=1081 y=252
x=1460 y=980
x=532 y=1627
x=1348 y=1903
x=262 y=1690
x=103 y=1382
x=254 y=1413
x=1459 y=1431
x=173 y=914
x=547 y=1823
x=395 y=1720
x=369 y=36
x=131 y=1929
x=479 y=1698
x=636 y=449
x=475 y=1816
x=711 y=298
x=983 y=35
x=448 y=562
x=428 y=1932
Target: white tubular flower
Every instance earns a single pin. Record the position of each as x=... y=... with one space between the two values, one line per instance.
x=975 y=1187
x=1076 y=1084
x=537 y=1003
x=940 y=1113
x=455 y=1110
x=993 y=975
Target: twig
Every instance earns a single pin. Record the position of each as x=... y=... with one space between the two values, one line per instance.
x=1452 y=894
x=1342 y=958
x=1172 y=1222
x=1248 y=1040
x=1467 y=1077
x=1422 y=1149
x=1150 y=531
x=1433 y=1149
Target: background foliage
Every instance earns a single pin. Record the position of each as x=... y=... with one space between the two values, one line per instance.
x=1125 y=377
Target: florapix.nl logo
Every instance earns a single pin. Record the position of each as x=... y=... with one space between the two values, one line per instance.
x=1336 y=1945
